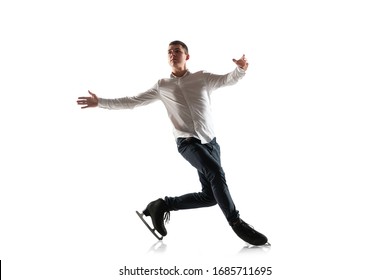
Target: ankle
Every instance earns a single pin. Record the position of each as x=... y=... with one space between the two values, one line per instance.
x=235 y=222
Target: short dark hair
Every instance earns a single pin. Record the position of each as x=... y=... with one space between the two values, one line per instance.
x=177 y=42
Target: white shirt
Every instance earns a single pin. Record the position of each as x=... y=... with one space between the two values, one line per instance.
x=186 y=99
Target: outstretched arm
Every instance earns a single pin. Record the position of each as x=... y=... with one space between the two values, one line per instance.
x=242 y=62
x=216 y=81
x=127 y=102
x=88 y=101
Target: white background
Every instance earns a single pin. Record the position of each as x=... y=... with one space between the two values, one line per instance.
x=304 y=137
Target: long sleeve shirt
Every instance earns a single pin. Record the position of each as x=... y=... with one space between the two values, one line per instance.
x=186 y=99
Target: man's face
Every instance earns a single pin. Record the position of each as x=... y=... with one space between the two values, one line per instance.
x=177 y=56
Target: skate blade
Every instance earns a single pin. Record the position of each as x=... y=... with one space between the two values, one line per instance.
x=152 y=230
x=266 y=245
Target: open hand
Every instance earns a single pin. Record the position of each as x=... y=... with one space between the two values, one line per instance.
x=88 y=101
x=242 y=62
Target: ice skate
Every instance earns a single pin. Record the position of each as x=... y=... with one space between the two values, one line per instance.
x=158 y=211
x=248 y=233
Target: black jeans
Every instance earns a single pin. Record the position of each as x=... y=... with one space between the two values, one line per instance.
x=206 y=159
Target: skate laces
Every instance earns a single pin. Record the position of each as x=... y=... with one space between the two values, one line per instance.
x=245 y=225
x=249 y=226
x=167 y=217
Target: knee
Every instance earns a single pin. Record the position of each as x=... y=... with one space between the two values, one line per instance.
x=214 y=172
x=208 y=199
x=211 y=202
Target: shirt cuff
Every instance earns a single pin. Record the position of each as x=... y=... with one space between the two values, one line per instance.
x=240 y=69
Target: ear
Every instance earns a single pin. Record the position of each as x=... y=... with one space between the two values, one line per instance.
x=187 y=57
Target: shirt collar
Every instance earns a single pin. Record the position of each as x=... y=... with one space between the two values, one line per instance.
x=185 y=74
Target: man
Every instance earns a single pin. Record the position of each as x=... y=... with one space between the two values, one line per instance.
x=186 y=97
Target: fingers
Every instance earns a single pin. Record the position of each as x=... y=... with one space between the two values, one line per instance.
x=242 y=62
x=92 y=94
x=88 y=101
x=83 y=101
x=94 y=97
x=242 y=59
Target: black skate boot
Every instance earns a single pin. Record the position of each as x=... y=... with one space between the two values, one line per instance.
x=248 y=233
x=158 y=211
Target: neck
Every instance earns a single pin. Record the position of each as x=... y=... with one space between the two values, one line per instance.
x=179 y=72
